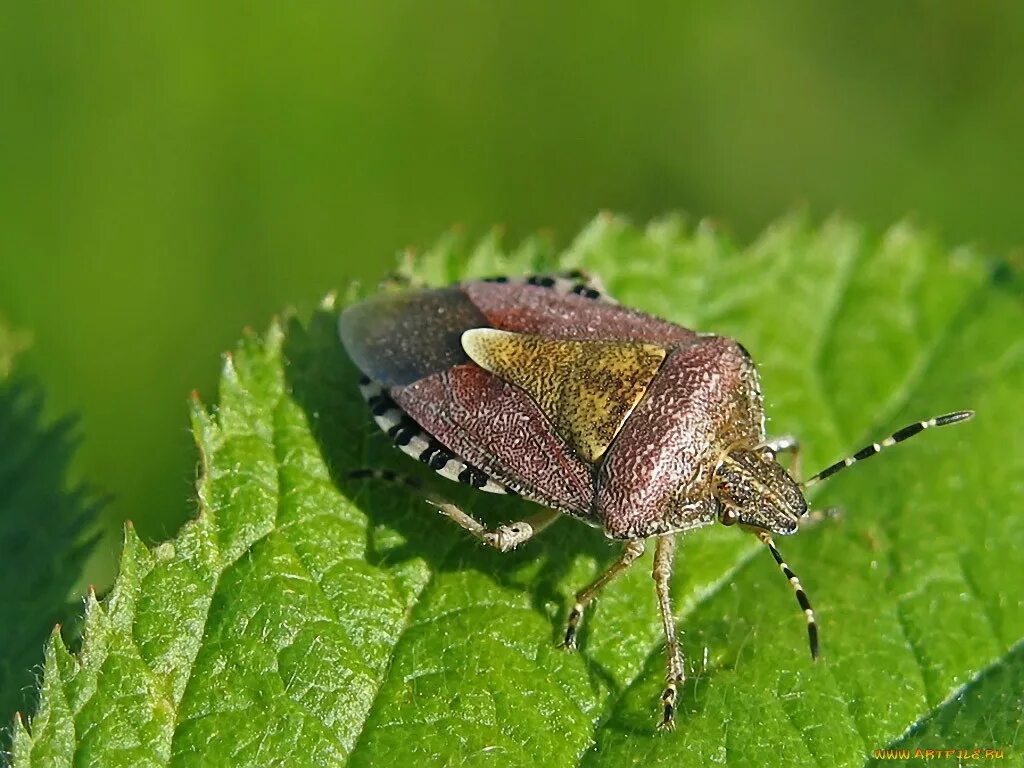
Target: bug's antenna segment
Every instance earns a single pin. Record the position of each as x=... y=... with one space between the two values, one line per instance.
x=896 y=437
x=801 y=596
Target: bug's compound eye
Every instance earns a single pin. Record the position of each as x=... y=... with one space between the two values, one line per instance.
x=729 y=516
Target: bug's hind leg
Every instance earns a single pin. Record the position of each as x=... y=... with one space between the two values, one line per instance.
x=664 y=553
x=504 y=538
x=403 y=276
x=633 y=549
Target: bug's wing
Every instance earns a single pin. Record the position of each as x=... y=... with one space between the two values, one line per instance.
x=397 y=339
x=411 y=344
x=585 y=388
x=499 y=429
x=534 y=309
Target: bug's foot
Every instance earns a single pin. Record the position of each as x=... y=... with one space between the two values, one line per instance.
x=570 y=631
x=668 y=703
x=816 y=517
x=508 y=537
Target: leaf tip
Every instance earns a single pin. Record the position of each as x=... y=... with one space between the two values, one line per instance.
x=21 y=741
x=329 y=302
x=227 y=370
x=134 y=550
x=55 y=650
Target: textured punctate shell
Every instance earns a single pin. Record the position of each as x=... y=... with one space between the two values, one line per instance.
x=585 y=388
x=497 y=427
x=705 y=400
x=702 y=399
x=531 y=309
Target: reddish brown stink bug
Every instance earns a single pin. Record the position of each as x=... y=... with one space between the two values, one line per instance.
x=545 y=388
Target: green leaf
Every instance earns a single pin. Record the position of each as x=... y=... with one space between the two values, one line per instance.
x=306 y=619
x=44 y=531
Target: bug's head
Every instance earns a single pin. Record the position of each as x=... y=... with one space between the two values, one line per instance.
x=753 y=489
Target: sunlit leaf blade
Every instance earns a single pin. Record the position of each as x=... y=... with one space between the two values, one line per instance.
x=304 y=618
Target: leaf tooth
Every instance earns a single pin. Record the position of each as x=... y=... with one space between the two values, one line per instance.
x=136 y=562
x=329 y=303
x=52 y=738
x=94 y=632
x=273 y=341
x=21 y=741
x=486 y=252
x=204 y=429
x=63 y=658
x=228 y=370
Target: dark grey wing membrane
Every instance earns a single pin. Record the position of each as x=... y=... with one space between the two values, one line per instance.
x=397 y=339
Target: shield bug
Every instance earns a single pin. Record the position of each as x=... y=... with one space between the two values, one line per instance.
x=546 y=388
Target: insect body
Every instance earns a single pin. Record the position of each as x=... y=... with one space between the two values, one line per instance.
x=545 y=388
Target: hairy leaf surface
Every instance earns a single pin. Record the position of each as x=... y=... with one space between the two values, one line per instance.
x=306 y=619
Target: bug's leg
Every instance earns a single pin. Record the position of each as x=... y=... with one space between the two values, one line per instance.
x=633 y=549
x=503 y=538
x=801 y=596
x=664 y=551
x=786 y=444
x=782 y=444
x=813 y=517
x=402 y=277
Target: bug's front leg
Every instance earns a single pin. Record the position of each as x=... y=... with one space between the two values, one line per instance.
x=664 y=552
x=503 y=538
x=630 y=553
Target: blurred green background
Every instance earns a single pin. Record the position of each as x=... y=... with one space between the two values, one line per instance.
x=170 y=173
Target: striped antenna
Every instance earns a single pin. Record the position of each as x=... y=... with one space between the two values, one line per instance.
x=801 y=596
x=896 y=437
